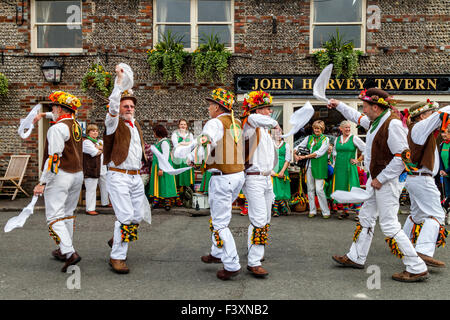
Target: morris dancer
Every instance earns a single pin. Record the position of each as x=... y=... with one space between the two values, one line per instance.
x=425 y=224
x=386 y=147
x=220 y=149
x=123 y=152
x=62 y=175
x=258 y=188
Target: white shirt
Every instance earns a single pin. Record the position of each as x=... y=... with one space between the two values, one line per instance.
x=90 y=149
x=264 y=158
x=57 y=135
x=397 y=141
x=319 y=153
x=422 y=130
x=134 y=158
x=176 y=134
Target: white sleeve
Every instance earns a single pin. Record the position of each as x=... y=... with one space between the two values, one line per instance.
x=48 y=115
x=288 y=156
x=112 y=118
x=353 y=115
x=57 y=135
x=303 y=144
x=165 y=147
x=422 y=130
x=361 y=145
x=214 y=129
x=323 y=148
x=259 y=120
x=174 y=139
x=397 y=143
x=89 y=148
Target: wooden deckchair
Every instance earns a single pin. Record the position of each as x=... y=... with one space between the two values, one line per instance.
x=14 y=174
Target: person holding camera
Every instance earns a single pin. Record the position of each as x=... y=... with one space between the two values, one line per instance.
x=316 y=167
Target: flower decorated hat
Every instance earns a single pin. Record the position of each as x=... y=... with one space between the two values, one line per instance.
x=65 y=100
x=421 y=107
x=222 y=97
x=128 y=94
x=255 y=100
x=377 y=96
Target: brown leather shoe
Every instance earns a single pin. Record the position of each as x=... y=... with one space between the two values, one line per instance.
x=346 y=262
x=429 y=261
x=92 y=213
x=58 y=255
x=73 y=260
x=406 y=276
x=258 y=271
x=227 y=275
x=119 y=266
x=210 y=259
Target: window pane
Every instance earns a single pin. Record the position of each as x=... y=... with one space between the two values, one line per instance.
x=347 y=33
x=58 y=37
x=214 y=10
x=58 y=11
x=179 y=32
x=173 y=11
x=337 y=10
x=223 y=32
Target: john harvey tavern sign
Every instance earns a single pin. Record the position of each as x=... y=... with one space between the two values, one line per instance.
x=278 y=84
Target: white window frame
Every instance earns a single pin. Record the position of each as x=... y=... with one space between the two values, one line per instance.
x=34 y=25
x=312 y=24
x=194 y=25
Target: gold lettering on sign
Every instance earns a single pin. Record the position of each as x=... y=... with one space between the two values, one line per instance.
x=307 y=84
x=289 y=82
x=264 y=84
x=276 y=84
x=408 y=84
x=419 y=84
x=389 y=85
x=331 y=84
x=255 y=86
x=432 y=82
x=350 y=84
x=398 y=84
x=361 y=83
x=379 y=82
x=339 y=83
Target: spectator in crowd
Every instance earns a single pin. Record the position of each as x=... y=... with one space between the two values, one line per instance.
x=317 y=168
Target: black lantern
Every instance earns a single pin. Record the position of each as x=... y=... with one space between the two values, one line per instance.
x=52 y=71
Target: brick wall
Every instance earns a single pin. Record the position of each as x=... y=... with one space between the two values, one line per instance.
x=415 y=34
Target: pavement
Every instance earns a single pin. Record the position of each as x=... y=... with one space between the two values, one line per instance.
x=165 y=261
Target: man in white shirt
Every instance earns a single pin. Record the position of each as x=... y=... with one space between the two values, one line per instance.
x=123 y=151
x=258 y=188
x=62 y=175
x=219 y=150
x=385 y=143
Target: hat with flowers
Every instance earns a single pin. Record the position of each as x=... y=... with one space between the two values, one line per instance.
x=377 y=96
x=65 y=100
x=222 y=97
x=128 y=94
x=255 y=100
x=421 y=107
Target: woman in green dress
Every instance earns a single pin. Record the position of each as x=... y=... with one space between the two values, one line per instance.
x=280 y=176
x=162 y=188
x=345 y=170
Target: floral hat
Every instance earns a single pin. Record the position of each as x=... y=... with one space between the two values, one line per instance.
x=256 y=99
x=66 y=100
x=377 y=96
x=421 y=107
x=128 y=94
x=222 y=97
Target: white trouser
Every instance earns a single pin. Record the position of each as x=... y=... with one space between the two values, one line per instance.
x=91 y=192
x=61 y=197
x=258 y=191
x=384 y=205
x=223 y=190
x=425 y=204
x=127 y=197
x=316 y=186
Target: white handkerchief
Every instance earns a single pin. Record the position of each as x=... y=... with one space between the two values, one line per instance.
x=27 y=123
x=355 y=195
x=321 y=83
x=300 y=118
x=164 y=164
x=19 y=221
x=127 y=80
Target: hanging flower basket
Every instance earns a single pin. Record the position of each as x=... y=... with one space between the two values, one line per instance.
x=3 y=85
x=210 y=60
x=342 y=54
x=168 y=58
x=98 y=79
